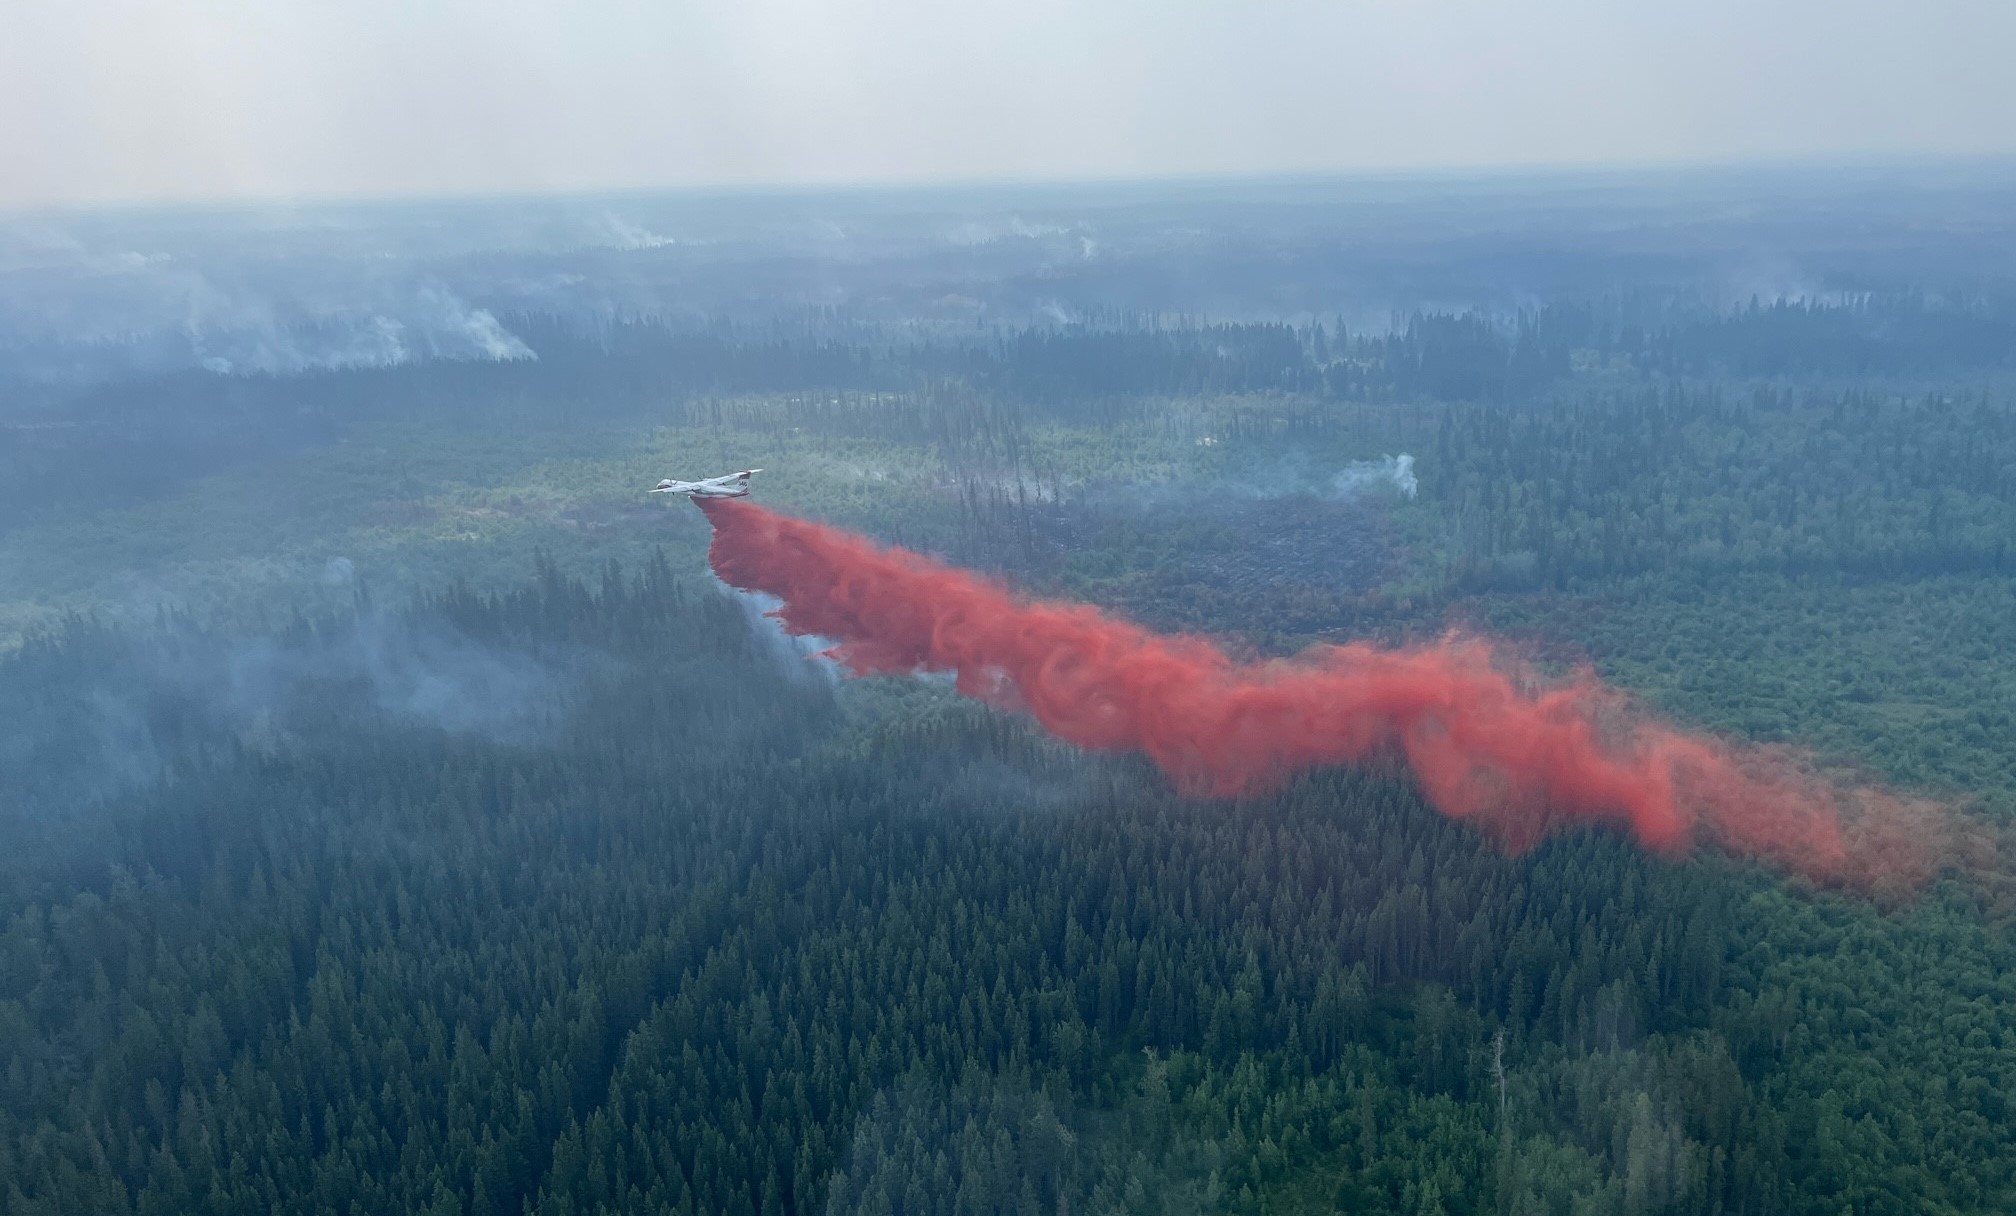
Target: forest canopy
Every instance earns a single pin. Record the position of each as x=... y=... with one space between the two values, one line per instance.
x=396 y=815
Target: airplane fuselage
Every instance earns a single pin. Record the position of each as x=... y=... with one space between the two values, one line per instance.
x=734 y=485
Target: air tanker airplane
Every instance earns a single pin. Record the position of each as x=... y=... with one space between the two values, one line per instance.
x=731 y=485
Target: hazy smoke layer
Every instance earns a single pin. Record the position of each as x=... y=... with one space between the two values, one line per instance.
x=84 y=310
x=1487 y=741
x=798 y=654
x=160 y=698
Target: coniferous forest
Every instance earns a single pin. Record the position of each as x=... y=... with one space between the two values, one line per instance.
x=397 y=817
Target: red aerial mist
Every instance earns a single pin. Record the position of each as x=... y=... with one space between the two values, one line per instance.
x=1486 y=739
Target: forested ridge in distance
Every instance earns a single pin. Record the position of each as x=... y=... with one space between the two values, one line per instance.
x=398 y=817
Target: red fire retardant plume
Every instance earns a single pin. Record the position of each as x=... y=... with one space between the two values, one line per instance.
x=1486 y=740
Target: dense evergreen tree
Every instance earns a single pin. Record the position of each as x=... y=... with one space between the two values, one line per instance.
x=588 y=895
x=778 y=950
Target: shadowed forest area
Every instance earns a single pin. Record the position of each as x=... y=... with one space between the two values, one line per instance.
x=397 y=817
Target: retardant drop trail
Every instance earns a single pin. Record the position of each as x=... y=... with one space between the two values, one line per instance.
x=1487 y=741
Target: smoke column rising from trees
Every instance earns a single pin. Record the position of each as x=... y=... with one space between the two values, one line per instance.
x=1487 y=741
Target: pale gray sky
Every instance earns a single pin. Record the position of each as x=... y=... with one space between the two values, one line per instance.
x=120 y=100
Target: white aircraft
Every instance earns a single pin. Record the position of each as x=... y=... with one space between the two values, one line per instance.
x=733 y=485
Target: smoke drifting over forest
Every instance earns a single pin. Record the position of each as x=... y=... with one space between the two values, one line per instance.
x=190 y=689
x=798 y=655
x=508 y=863
x=280 y=289
x=1396 y=471
x=1487 y=741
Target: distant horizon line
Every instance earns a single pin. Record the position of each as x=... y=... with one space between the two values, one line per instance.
x=1619 y=172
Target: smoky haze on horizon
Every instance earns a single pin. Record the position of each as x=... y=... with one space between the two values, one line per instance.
x=120 y=101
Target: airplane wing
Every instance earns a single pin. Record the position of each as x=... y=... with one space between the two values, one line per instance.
x=734 y=485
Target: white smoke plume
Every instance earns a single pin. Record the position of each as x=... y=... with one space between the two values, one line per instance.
x=77 y=301
x=1244 y=479
x=424 y=323
x=799 y=657
x=1360 y=476
x=612 y=231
